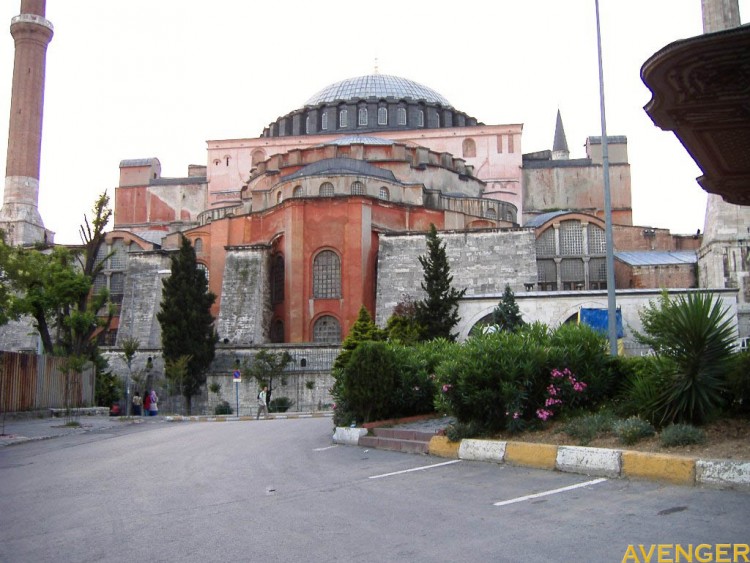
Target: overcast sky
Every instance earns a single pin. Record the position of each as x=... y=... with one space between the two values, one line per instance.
x=148 y=78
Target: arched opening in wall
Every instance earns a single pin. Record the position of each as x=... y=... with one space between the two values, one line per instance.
x=298 y=191
x=401 y=116
x=490 y=213
x=362 y=117
x=384 y=193
x=258 y=156
x=227 y=158
x=326 y=275
x=343 y=119
x=277 y=279
x=327 y=330
x=481 y=325
x=358 y=188
x=324 y=121
x=326 y=189
x=382 y=116
x=277 y=331
x=420 y=118
x=469 y=148
x=279 y=197
x=307 y=125
x=198 y=245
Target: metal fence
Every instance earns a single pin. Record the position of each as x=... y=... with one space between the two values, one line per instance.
x=30 y=382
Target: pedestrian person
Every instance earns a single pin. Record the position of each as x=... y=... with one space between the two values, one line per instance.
x=154 y=404
x=146 y=403
x=137 y=402
x=262 y=404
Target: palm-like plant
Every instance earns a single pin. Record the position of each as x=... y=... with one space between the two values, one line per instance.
x=692 y=337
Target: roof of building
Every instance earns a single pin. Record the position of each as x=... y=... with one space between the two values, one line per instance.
x=541 y=219
x=376 y=86
x=333 y=166
x=359 y=140
x=137 y=162
x=657 y=257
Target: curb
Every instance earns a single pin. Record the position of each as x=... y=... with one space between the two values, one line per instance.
x=230 y=418
x=601 y=462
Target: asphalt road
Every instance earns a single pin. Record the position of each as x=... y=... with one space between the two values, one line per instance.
x=278 y=490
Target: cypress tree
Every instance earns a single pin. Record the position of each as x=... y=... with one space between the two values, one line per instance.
x=438 y=312
x=507 y=315
x=186 y=322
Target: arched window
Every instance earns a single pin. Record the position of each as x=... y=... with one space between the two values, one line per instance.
x=343 y=118
x=277 y=331
x=198 y=245
x=298 y=191
x=490 y=213
x=279 y=197
x=401 y=116
x=327 y=330
x=307 y=125
x=327 y=275
x=382 y=116
x=571 y=238
x=469 y=148
x=326 y=189
x=324 y=121
x=420 y=118
x=358 y=188
x=277 y=279
x=596 y=239
x=384 y=193
x=258 y=156
x=362 y=117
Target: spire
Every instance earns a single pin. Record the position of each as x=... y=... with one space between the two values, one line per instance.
x=560 y=144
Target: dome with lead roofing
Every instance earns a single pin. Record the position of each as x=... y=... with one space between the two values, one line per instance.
x=377 y=86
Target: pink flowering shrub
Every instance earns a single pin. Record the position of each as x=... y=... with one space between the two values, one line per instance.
x=563 y=391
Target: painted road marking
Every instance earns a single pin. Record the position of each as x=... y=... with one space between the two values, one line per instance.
x=552 y=492
x=415 y=469
x=326 y=448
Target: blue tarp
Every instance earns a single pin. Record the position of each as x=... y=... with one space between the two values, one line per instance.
x=598 y=319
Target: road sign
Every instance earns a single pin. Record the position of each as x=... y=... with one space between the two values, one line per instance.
x=236 y=376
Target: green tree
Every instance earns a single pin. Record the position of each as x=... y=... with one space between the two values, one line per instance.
x=364 y=329
x=507 y=316
x=438 y=311
x=369 y=381
x=402 y=326
x=130 y=346
x=186 y=321
x=267 y=366
x=693 y=338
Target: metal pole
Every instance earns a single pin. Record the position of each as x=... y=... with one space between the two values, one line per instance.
x=237 y=395
x=611 y=298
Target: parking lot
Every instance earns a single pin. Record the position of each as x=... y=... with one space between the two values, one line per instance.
x=279 y=490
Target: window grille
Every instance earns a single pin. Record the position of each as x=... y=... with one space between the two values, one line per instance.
x=598 y=270
x=571 y=273
x=362 y=119
x=358 y=188
x=116 y=287
x=343 y=119
x=382 y=116
x=571 y=238
x=384 y=193
x=298 y=192
x=324 y=121
x=99 y=283
x=545 y=243
x=490 y=213
x=597 y=240
x=198 y=245
x=327 y=330
x=203 y=268
x=326 y=189
x=401 y=116
x=327 y=276
x=119 y=255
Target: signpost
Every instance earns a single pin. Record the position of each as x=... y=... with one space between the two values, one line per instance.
x=237 y=379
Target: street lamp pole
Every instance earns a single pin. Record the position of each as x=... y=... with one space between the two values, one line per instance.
x=611 y=295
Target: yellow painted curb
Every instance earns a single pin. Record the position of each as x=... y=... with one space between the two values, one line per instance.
x=543 y=456
x=441 y=446
x=675 y=469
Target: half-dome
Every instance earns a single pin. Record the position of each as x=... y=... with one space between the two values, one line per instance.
x=377 y=86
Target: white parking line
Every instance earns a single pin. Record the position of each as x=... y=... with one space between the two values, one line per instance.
x=415 y=469
x=326 y=448
x=552 y=492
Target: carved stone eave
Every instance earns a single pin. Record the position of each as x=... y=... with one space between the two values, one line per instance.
x=701 y=92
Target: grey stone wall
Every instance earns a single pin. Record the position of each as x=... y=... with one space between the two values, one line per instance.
x=245 y=297
x=141 y=298
x=480 y=261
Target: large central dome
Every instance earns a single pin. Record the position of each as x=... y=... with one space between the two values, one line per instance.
x=377 y=86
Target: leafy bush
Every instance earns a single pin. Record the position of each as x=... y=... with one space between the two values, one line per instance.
x=280 y=404
x=223 y=408
x=633 y=429
x=738 y=383
x=642 y=390
x=681 y=435
x=587 y=427
x=368 y=381
x=693 y=337
x=460 y=430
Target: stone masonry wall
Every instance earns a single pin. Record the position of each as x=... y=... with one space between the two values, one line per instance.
x=245 y=297
x=482 y=262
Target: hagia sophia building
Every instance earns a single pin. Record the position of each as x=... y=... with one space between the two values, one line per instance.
x=326 y=210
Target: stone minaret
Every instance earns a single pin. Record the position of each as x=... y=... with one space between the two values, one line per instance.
x=724 y=258
x=19 y=216
x=560 y=144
